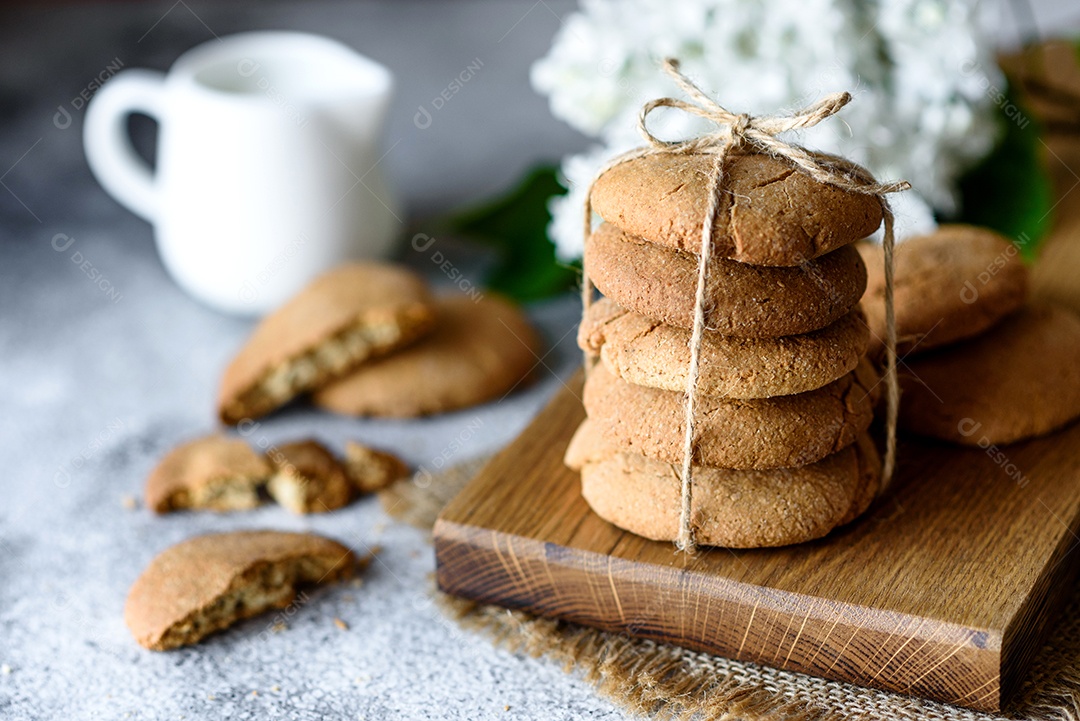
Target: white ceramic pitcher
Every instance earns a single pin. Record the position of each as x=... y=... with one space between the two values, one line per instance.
x=267 y=163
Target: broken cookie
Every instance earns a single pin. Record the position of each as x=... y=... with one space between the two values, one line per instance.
x=371 y=470
x=213 y=472
x=210 y=582
x=309 y=479
x=353 y=313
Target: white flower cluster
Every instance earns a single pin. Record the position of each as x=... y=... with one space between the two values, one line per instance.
x=919 y=111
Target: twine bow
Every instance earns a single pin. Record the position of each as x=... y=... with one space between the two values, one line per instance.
x=756 y=134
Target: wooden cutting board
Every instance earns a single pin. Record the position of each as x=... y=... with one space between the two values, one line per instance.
x=943 y=589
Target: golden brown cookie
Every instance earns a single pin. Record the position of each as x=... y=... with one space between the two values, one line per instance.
x=214 y=472
x=733 y=508
x=309 y=479
x=1020 y=379
x=649 y=353
x=370 y=470
x=779 y=432
x=482 y=348
x=769 y=214
x=743 y=300
x=343 y=318
x=948 y=285
x=208 y=583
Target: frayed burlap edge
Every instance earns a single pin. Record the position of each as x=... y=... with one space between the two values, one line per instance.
x=650 y=678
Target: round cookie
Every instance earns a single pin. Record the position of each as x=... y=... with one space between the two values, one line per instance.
x=779 y=432
x=646 y=352
x=481 y=349
x=951 y=284
x=743 y=300
x=732 y=508
x=769 y=214
x=1020 y=379
x=343 y=318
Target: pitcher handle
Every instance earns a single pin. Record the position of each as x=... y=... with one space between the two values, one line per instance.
x=107 y=143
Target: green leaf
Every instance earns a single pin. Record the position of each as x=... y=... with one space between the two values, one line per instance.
x=1010 y=190
x=516 y=225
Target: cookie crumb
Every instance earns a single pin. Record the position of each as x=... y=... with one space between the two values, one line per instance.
x=254 y=693
x=211 y=697
x=506 y=707
x=341 y=624
x=363 y=562
x=129 y=502
x=275 y=688
x=279 y=627
x=357 y=582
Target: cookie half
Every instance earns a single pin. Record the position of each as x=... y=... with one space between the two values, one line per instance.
x=732 y=508
x=743 y=300
x=951 y=284
x=210 y=582
x=770 y=214
x=483 y=347
x=1018 y=380
x=214 y=472
x=343 y=318
x=779 y=432
x=649 y=353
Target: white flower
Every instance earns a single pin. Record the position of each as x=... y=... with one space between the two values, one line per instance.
x=920 y=112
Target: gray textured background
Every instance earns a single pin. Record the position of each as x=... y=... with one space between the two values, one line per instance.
x=93 y=388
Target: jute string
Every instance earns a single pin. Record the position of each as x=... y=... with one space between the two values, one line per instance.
x=736 y=133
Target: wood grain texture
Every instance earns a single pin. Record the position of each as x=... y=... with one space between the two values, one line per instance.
x=942 y=590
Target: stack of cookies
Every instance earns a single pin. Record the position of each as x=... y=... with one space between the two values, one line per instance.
x=785 y=393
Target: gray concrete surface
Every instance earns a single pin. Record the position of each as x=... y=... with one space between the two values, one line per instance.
x=98 y=377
